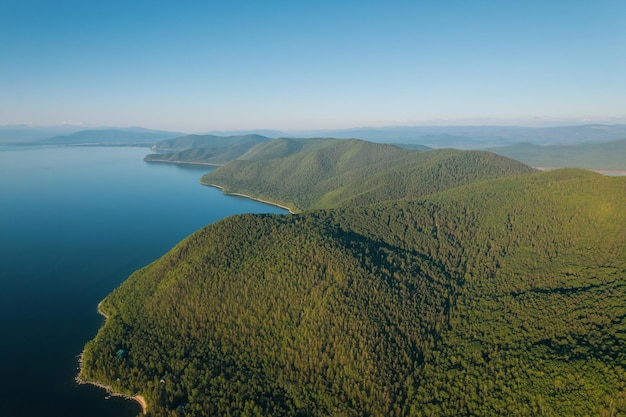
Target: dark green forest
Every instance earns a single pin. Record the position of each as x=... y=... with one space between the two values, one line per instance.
x=472 y=286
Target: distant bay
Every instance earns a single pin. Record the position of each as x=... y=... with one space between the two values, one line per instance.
x=75 y=222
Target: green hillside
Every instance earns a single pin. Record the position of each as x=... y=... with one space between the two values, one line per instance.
x=605 y=156
x=285 y=147
x=306 y=174
x=500 y=297
x=204 y=149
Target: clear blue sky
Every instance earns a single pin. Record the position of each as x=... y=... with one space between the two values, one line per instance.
x=216 y=65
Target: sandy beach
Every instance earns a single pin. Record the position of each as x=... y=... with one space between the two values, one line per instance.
x=142 y=402
x=109 y=390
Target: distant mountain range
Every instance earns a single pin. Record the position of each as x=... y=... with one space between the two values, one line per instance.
x=477 y=137
x=130 y=136
x=71 y=135
x=604 y=156
x=598 y=147
x=591 y=147
x=459 y=137
x=21 y=133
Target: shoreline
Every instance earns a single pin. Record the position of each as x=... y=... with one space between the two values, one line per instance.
x=140 y=398
x=177 y=162
x=107 y=388
x=249 y=197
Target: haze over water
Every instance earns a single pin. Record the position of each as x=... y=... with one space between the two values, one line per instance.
x=75 y=222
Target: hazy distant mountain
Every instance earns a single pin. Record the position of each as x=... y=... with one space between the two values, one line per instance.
x=21 y=133
x=609 y=156
x=475 y=137
x=262 y=132
x=460 y=137
x=127 y=136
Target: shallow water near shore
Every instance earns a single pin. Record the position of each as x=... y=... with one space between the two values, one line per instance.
x=75 y=222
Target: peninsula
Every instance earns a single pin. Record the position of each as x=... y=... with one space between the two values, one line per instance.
x=435 y=282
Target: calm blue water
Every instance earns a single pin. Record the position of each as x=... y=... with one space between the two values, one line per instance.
x=74 y=223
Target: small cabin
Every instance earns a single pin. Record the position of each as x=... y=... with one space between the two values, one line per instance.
x=121 y=353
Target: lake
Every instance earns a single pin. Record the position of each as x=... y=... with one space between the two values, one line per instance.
x=74 y=223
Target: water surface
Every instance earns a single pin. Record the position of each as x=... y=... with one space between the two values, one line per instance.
x=74 y=223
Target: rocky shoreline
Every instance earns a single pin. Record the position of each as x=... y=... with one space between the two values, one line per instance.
x=109 y=390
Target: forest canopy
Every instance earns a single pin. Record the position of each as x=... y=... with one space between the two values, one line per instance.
x=412 y=283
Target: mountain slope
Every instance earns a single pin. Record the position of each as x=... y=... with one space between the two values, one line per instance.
x=207 y=141
x=306 y=174
x=204 y=149
x=498 y=297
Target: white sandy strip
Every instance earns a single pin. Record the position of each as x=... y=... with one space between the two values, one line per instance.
x=176 y=162
x=247 y=196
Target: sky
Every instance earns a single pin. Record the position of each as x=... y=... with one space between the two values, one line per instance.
x=197 y=66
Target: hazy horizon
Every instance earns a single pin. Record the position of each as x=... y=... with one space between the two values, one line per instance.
x=442 y=124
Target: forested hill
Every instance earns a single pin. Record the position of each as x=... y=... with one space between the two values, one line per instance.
x=204 y=149
x=500 y=297
x=320 y=173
